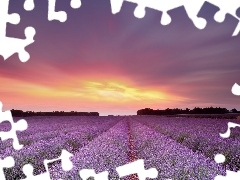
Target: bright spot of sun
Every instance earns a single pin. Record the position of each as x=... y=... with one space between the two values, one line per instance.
x=117 y=91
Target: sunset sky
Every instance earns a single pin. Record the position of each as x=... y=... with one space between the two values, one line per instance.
x=117 y=64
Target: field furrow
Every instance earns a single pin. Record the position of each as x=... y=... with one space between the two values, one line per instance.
x=200 y=135
x=172 y=159
x=106 y=152
x=179 y=148
x=66 y=133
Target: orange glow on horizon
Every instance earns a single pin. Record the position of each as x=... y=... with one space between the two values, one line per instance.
x=84 y=95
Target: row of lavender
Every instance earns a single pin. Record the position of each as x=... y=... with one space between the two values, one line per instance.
x=199 y=135
x=111 y=149
x=104 y=153
x=102 y=144
x=171 y=159
x=47 y=136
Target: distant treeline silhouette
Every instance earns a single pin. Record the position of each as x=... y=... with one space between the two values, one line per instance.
x=20 y=113
x=196 y=110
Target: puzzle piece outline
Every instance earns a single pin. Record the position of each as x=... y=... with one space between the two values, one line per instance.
x=20 y=125
x=87 y=173
x=192 y=8
x=137 y=167
x=236 y=89
x=7 y=162
x=65 y=161
x=227 y=7
x=230 y=175
x=10 y=45
x=220 y=158
x=52 y=13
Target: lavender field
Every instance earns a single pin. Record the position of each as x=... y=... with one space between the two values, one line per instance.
x=179 y=148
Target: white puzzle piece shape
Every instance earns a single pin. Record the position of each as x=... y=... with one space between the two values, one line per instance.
x=28 y=171
x=236 y=90
x=137 y=167
x=9 y=45
x=66 y=166
x=227 y=133
x=192 y=8
x=21 y=125
x=87 y=173
x=8 y=162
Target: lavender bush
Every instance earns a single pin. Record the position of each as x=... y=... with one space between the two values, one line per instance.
x=200 y=135
x=180 y=148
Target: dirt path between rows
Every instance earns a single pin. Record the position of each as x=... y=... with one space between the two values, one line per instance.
x=132 y=155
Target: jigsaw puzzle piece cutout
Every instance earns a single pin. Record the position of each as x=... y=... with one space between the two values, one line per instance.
x=10 y=46
x=54 y=15
x=7 y=162
x=230 y=175
x=66 y=166
x=236 y=89
x=87 y=173
x=21 y=125
x=60 y=15
x=230 y=125
x=193 y=8
x=75 y=4
x=137 y=167
x=116 y=6
x=140 y=12
x=28 y=171
x=237 y=30
x=227 y=7
x=13 y=18
x=5 y=17
x=29 y=5
x=165 y=7
x=219 y=158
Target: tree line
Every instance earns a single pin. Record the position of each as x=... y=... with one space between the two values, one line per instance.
x=196 y=110
x=20 y=113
